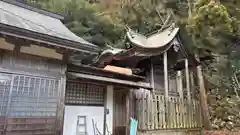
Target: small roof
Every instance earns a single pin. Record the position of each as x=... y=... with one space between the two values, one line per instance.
x=155 y=41
x=19 y=15
x=101 y=75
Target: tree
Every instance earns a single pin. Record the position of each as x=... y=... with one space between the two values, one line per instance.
x=208 y=27
x=86 y=20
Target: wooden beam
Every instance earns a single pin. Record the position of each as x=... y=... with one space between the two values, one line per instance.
x=187 y=81
x=111 y=80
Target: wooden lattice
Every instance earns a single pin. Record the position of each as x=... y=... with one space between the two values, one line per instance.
x=82 y=93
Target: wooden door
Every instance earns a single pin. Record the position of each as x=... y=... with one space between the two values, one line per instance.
x=120 y=122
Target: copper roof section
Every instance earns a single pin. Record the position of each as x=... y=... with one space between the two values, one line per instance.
x=154 y=41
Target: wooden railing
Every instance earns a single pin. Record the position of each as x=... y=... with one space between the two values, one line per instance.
x=154 y=113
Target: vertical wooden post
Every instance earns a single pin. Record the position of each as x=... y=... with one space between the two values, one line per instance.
x=105 y=112
x=179 y=84
x=127 y=111
x=152 y=77
x=166 y=85
x=188 y=105
x=187 y=81
x=192 y=85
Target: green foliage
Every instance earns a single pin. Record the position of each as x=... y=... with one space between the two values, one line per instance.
x=205 y=25
x=222 y=97
x=209 y=24
x=86 y=20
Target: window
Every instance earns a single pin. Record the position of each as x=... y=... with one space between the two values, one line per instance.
x=26 y=102
x=83 y=93
x=33 y=96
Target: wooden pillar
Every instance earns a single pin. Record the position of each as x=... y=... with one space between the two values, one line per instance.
x=187 y=80
x=179 y=84
x=165 y=74
x=127 y=111
x=152 y=77
x=189 y=106
x=166 y=86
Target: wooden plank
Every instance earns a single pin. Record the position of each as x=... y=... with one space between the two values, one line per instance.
x=163 y=112
x=141 y=101
x=148 y=111
x=192 y=85
x=111 y=80
x=179 y=84
x=159 y=113
x=177 y=113
x=187 y=81
x=194 y=114
x=165 y=63
x=139 y=108
x=182 y=113
x=199 y=114
x=145 y=112
x=156 y=112
x=169 y=120
x=153 y=111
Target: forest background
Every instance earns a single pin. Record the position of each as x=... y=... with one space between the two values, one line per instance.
x=208 y=27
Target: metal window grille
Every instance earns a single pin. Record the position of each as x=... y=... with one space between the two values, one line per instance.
x=5 y=85
x=33 y=96
x=27 y=103
x=81 y=93
x=81 y=128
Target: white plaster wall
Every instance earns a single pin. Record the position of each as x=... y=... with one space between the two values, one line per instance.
x=109 y=118
x=70 y=118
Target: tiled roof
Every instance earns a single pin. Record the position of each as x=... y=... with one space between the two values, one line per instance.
x=24 y=18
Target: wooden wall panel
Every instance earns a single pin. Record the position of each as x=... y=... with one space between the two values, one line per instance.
x=24 y=63
x=120 y=112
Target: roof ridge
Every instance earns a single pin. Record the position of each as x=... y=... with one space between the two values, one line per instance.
x=35 y=9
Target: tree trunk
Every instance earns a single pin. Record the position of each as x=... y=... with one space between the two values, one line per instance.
x=203 y=100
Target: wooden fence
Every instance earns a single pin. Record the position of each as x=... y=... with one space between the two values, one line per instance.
x=219 y=132
x=154 y=113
